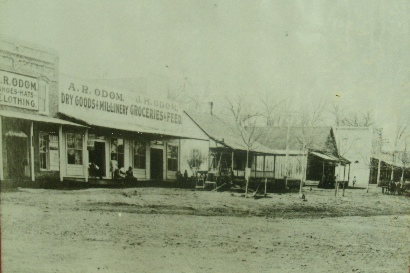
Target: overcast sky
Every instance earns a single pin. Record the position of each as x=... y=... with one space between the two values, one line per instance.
x=356 y=52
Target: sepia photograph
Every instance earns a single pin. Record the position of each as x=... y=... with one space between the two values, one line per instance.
x=204 y=136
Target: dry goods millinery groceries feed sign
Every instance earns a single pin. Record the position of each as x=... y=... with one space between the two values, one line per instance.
x=18 y=90
x=86 y=99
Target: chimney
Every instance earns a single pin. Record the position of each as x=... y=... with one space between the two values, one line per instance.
x=211 y=105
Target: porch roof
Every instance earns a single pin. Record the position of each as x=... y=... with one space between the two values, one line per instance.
x=36 y=117
x=124 y=126
x=226 y=134
x=325 y=157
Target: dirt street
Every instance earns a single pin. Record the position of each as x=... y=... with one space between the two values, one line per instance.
x=178 y=230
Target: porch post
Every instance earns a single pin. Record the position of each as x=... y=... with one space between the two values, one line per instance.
x=274 y=167
x=323 y=170
x=378 y=172
x=348 y=174
x=263 y=169
x=254 y=163
x=32 y=151
x=85 y=155
x=61 y=153
x=232 y=161
x=1 y=150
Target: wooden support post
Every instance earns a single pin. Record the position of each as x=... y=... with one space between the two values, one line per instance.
x=85 y=155
x=378 y=172
x=344 y=173
x=32 y=152
x=323 y=170
x=1 y=150
x=61 y=152
x=274 y=167
x=255 y=158
x=232 y=161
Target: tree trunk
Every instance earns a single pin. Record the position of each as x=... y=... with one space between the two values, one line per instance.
x=246 y=178
x=402 y=175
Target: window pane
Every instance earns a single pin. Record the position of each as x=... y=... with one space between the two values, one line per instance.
x=43 y=161
x=78 y=157
x=70 y=156
x=70 y=140
x=172 y=151
x=114 y=145
x=78 y=141
x=120 y=161
x=120 y=148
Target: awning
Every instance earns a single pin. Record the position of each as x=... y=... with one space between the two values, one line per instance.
x=35 y=117
x=325 y=157
x=12 y=133
x=124 y=126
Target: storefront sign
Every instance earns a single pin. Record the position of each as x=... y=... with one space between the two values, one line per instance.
x=79 y=98
x=18 y=91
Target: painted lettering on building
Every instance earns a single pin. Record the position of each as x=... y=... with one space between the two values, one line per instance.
x=18 y=90
x=78 y=98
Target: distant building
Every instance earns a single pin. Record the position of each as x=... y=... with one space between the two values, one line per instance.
x=317 y=144
x=356 y=145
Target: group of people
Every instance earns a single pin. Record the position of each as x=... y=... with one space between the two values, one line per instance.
x=116 y=172
x=119 y=173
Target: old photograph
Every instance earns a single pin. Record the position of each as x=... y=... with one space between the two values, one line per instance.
x=204 y=136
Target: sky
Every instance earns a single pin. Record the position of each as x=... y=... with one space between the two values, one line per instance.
x=355 y=53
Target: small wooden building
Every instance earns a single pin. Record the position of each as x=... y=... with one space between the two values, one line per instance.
x=314 y=151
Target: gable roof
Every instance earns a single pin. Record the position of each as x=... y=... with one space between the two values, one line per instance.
x=225 y=133
x=316 y=138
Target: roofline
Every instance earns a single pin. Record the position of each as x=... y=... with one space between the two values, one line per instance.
x=199 y=126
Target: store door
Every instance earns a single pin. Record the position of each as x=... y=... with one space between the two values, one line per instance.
x=97 y=156
x=157 y=164
x=17 y=157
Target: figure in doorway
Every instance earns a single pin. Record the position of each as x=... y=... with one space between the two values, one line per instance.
x=94 y=170
x=113 y=166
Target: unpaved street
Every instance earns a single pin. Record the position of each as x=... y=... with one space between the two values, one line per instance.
x=175 y=230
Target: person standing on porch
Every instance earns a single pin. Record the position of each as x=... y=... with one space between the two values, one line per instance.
x=113 y=165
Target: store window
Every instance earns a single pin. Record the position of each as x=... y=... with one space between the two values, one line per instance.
x=117 y=151
x=196 y=160
x=74 y=148
x=172 y=158
x=48 y=150
x=139 y=154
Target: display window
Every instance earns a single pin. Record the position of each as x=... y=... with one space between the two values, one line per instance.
x=48 y=152
x=139 y=154
x=74 y=148
x=172 y=158
x=117 y=151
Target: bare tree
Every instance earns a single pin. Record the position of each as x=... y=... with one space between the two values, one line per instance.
x=270 y=109
x=337 y=112
x=358 y=119
x=245 y=123
x=312 y=114
x=405 y=158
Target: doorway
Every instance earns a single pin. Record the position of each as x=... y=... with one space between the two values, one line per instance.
x=17 y=157
x=157 y=164
x=97 y=156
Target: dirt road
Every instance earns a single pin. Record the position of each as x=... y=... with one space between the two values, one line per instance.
x=174 y=230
